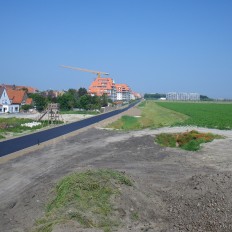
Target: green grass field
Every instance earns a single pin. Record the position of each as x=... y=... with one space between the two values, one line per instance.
x=159 y=114
x=153 y=116
x=210 y=115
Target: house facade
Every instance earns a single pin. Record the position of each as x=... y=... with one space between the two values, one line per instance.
x=5 y=103
x=123 y=92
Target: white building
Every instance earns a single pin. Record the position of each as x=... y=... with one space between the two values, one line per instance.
x=123 y=92
x=5 y=103
x=174 y=96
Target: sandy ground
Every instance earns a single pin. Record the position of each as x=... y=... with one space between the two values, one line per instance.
x=174 y=190
x=66 y=117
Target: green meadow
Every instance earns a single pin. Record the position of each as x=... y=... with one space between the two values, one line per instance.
x=156 y=114
x=152 y=116
x=209 y=115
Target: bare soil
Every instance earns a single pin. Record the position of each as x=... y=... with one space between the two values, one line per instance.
x=174 y=190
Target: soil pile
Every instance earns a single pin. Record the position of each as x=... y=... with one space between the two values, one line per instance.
x=202 y=203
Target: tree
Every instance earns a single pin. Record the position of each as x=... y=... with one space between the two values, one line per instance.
x=67 y=101
x=154 y=95
x=26 y=107
x=82 y=92
x=88 y=102
x=104 y=100
x=205 y=98
x=40 y=101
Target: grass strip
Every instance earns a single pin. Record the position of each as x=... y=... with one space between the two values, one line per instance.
x=152 y=116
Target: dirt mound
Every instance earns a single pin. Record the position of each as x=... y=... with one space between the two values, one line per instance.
x=202 y=203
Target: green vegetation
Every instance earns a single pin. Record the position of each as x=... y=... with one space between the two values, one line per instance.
x=152 y=116
x=190 y=141
x=2 y=137
x=154 y=95
x=26 y=107
x=158 y=114
x=210 y=115
x=15 y=125
x=126 y=123
x=86 y=198
x=69 y=99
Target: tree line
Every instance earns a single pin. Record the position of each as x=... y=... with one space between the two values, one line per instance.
x=154 y=95
x=69 y=100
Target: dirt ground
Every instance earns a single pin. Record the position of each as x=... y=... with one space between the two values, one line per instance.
x=174 y=190
x=67 y=118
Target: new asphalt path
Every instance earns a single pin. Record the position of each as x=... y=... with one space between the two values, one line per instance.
x=19 y=143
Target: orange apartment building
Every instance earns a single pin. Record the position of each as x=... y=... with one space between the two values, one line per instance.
x=102 y=86
x=116 y=92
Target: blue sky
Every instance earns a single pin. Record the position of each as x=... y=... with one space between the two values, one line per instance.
x=152 y=45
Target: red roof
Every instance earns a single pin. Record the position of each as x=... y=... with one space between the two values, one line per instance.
x=29 y=101
x=122 y=87
x=101 y=85
x=16 y=96
x=18 y=87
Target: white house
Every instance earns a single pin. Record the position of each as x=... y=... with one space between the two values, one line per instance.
x=5 y=103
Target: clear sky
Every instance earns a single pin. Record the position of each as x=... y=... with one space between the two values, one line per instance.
x=152 y=45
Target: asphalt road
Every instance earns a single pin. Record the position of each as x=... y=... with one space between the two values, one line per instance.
x=17 y=144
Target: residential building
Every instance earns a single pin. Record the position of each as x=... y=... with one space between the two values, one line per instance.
x=102 y=86
x=5 y=103
x=28 y=89
x=17 y=96
x=123 y=92
x=116 y=92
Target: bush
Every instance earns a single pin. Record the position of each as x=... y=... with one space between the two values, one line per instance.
x=190 y=141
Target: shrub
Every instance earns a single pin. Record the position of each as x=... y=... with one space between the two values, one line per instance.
x=190 y=141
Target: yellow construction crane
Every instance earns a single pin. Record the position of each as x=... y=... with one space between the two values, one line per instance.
x=86 y=70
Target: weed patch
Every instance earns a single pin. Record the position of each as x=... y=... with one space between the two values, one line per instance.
x=190 y=141
x=19 y=125
x=86 y=198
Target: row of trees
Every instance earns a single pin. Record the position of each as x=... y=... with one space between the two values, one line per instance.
x=70 y=99
x=154 y=95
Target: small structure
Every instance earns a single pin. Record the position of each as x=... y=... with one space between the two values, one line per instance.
x=53 y=113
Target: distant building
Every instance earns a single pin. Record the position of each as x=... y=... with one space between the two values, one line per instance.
x=175 y=96
x=28 y=89
x=123 y=92
x=12 y=97
x=102 y=86
x=116 y=92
